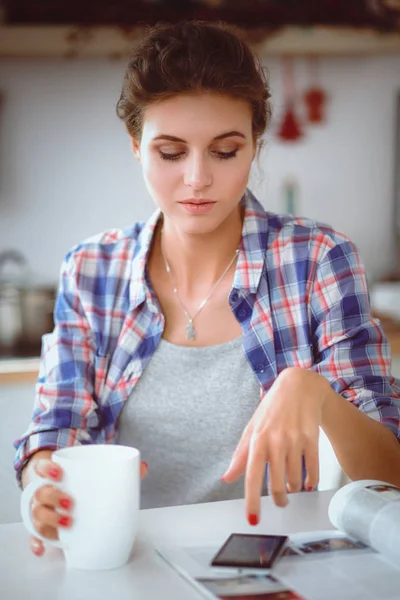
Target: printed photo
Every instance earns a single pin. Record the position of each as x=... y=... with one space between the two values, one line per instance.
x=330 y=545
x=249 y=587
x=285 y=595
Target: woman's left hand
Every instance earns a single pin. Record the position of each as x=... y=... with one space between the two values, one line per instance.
x=284 y=427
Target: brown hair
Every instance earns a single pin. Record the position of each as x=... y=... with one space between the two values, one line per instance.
x=192 y=56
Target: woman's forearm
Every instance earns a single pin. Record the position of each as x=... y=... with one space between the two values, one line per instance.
x=365 y=448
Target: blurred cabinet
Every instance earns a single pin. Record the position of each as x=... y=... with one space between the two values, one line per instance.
x=64 y=41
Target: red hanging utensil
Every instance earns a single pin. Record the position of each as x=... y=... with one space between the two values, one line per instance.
x=315 y=97
x=289 y=130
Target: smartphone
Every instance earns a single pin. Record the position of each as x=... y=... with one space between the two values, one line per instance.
x=250 y=551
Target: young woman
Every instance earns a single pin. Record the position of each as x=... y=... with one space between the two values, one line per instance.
x=216 y=337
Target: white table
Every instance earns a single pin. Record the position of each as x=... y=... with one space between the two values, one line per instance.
x=24 y=576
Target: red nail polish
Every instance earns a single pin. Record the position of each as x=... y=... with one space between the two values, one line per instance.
x=253 y=519
x=54 y=473
x=36 y=550
x=64 y=521
x=309 y=489
x=65 y=503
x=145 y=464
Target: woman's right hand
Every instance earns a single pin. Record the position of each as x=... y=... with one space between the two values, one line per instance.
x=49 y=500
x=45 y=503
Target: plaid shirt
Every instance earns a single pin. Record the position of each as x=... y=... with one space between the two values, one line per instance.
x=299 y=294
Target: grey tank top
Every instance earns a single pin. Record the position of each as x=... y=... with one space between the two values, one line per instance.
x=186 y=415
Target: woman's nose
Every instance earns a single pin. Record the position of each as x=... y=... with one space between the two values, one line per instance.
x=197 y=173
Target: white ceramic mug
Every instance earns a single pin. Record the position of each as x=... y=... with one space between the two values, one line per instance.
x=104 y=482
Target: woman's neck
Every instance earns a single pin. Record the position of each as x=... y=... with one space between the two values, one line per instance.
x=198 y=261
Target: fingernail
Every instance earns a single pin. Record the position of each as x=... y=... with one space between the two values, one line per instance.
x=64 y=521
x=54 y=473
x=66 y=503
x=145 y=464
x=253 y=519
x=309 y=489
x=35 y=548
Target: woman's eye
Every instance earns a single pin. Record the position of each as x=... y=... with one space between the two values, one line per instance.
x=226 y=155
x=219 y=154
x=168 y=156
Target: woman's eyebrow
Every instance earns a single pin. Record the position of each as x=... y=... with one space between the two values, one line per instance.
x=222 y=136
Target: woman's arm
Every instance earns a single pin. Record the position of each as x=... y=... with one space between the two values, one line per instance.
x=65 y=409
x=361 y=414
x=348 y=391
x=365 y=448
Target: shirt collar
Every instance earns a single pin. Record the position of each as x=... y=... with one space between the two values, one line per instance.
x=253 y=245
x=138 y=286
x=251 y=256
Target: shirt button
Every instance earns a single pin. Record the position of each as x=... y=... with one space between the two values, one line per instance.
x=234 y=297
x=243 y=312
x=260 y=368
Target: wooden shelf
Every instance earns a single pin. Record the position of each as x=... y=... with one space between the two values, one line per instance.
x=111 y=42
x=394 y=341
x=19 y=370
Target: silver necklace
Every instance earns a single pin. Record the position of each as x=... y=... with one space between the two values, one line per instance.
x=190 y=330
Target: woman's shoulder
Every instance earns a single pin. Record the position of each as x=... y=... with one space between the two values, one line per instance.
x=116 y=244
x=300 y=232
x=282 y=229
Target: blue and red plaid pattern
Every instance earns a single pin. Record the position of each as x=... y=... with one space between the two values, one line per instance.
x=299 y=293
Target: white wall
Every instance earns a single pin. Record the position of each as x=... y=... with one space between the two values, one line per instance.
x=66 y=170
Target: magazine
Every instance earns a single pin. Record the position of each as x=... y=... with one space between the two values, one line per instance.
x=358 y=560
x=193 y=563
x=370 y=512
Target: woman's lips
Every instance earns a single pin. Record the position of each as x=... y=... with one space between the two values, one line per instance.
x=198 y=207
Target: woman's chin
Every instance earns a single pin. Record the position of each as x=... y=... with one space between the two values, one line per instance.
x=204 y=225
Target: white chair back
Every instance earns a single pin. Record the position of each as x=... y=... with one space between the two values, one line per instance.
x=331 y=474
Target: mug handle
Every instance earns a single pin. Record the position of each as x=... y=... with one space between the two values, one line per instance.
x=26 y=509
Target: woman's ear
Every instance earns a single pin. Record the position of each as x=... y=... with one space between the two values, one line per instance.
x=254 y=148
x=135 y=149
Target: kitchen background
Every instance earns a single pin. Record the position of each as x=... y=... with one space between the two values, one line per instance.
x=67 y=171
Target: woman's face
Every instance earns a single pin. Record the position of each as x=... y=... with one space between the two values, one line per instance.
x=196 y=152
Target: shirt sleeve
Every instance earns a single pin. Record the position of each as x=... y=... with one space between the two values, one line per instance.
x=350 y=347
x=65 y=412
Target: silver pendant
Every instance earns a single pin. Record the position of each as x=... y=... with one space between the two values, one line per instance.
x=190 y=332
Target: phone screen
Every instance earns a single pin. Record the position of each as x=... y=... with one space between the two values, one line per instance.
x=250 y=551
